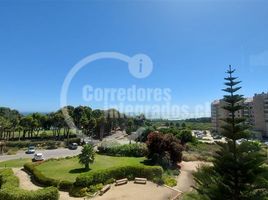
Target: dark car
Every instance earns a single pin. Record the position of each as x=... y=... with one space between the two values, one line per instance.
x=73 y=146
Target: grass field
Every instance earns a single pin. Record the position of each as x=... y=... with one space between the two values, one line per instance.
x=15 y=163
x=200 y=152
x=69 y=169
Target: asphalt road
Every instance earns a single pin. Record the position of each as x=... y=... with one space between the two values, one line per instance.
x=120 y=136
x=55 y=153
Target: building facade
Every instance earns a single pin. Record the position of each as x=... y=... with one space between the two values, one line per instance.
x=260 y=109
x=255 y=112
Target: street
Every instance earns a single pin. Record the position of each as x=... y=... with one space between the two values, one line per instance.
x=54 y=153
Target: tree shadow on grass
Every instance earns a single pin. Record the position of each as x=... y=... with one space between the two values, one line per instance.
x=79 y=170
x=148 y=162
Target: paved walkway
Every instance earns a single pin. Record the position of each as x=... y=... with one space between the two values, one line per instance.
x=185 y=180
x=26 y=184
x=132 y=191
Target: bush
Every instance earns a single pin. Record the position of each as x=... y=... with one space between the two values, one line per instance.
x=19 y=144
x=102 y=176
x=12 y=151
x=129 y=150
x=51 y=145
x=25 y=144
x=43 y=180
x=169 y=181
x=10 y=189
x=145 y=133
x=185 y=136
x=164 y=149
x=95 y=188
x=78 y=191
x=39 y=177
x=107 y=144
x=65 y=185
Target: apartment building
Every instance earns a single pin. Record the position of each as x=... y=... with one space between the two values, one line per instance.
x=255 y=111
x=260 y=109
x=217 y=114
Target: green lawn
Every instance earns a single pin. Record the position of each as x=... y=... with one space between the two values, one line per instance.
x=15 y=163
x=69 y=169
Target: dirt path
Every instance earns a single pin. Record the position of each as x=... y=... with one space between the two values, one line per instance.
x=185 y=179
x=26 y=184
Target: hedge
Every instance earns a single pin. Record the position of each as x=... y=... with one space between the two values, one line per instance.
x=10 y=189
x=46 y=181
x=130 y=172
x=25 y=144
x=129 y=150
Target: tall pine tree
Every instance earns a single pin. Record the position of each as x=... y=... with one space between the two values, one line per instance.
x=237 y=172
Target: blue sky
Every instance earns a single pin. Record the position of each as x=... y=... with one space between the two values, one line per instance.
x=191 y=43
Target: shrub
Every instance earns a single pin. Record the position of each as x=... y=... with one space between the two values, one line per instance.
x=10 y=189
x=65 y=185
x=145 y=133
x=164 y=149
x=78 y=191
x=51 y=145
x=19 y=144
x=25 y=144
x=39 y=177
x=169 y=181
x=102 y=176
x=129 y=150
x=107 y=144
x=186 y=136
x=95 y=188
x=46 y=181
x=12 y=151
x=158 y=180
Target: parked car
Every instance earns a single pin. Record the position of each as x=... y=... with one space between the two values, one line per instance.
x=73 y=146
x=30 y=150
x=217 y=137
x=38 y=157
x=240 y=141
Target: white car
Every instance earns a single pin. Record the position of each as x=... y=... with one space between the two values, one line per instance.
x=30 y=150
x=38 y=157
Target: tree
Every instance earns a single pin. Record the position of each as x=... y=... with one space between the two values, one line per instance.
x=237 y=172
x=144 y=135
x=178 y=125
x=164 y=149
x=185 y=136
x=87 y=156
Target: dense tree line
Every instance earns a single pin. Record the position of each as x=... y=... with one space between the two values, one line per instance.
x=95 y=123
x=199 y=120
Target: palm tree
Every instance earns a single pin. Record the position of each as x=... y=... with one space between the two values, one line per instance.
x=87 y=156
